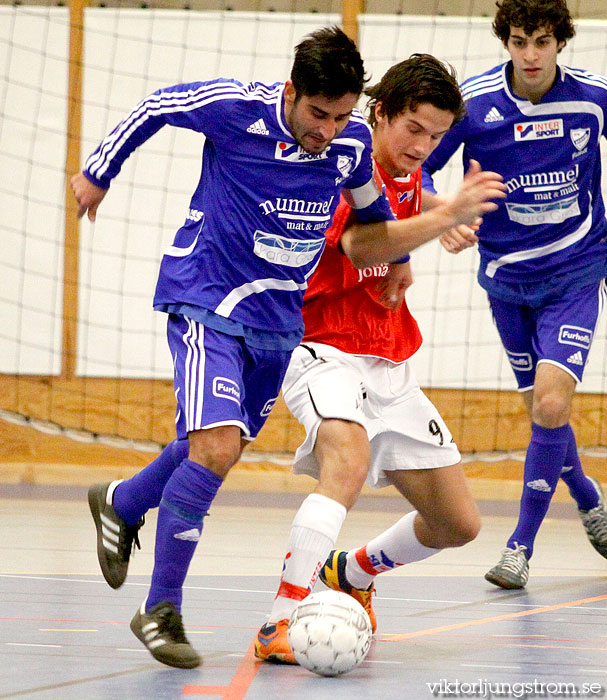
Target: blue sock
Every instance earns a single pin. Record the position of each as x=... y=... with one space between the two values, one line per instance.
x=185 y=501
x=134 y=497
x=543 y=464
x=581 y=489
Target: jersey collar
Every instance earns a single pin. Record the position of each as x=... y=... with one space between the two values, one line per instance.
x=506 y=76
x=280 y=113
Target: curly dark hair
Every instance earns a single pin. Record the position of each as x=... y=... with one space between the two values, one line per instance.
x=419 y=79
x=327 y=63
x=531 y=15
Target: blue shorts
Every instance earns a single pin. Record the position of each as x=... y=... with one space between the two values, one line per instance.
x=559 y=331
x=220 y=380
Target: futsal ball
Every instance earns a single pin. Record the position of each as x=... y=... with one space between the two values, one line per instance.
x=329 y=633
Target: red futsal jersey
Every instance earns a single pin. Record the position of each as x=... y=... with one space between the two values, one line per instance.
x=341 y=306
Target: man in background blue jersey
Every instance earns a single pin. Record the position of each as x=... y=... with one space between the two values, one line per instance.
x=275 y=160
x=543 y=252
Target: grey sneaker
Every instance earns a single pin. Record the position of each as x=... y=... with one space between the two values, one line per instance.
x=595 y=522
x=512 y=570
x=161 y=630
x=115 y=539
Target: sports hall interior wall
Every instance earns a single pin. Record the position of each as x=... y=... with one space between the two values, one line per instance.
x=72 y=409
x=592 y=9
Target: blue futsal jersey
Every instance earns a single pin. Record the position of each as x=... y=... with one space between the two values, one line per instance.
x=255 y=228
x=553 y=219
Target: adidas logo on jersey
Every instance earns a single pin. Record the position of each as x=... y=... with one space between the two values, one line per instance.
x=493 y=115
x=258 y=127
x=576 y=358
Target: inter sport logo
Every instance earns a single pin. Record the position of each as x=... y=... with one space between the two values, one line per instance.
x=533 y=131
x=295 y=153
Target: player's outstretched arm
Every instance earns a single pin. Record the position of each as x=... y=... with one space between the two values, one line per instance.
x=380 y=242
x=88 y=196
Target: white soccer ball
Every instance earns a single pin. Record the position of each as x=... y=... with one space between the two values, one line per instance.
x=329 y=633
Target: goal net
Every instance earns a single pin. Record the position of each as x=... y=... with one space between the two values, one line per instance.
x=80 y=346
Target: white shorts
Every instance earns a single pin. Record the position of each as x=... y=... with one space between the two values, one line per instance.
x=404 y=428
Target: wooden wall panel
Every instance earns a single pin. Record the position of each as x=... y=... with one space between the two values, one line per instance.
x=28 y=456
x=133 y=409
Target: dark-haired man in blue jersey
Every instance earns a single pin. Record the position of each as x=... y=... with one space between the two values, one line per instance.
x=275 y=160
x=543 y=251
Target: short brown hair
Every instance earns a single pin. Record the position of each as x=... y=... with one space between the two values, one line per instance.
x=418 y=80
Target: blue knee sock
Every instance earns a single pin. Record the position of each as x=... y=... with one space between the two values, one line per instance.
x=581 y=489
x=185 y=501
x=134 y=497
x=543 y=464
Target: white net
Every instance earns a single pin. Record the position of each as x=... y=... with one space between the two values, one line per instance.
x=121 y=385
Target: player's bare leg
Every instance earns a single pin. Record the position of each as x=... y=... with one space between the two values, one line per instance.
x=217 y=448
x=342 y=450
x=549 y=403
x=445 y=516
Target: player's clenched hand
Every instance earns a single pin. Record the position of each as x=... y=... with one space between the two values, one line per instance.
x=88 y=196
x=459 y=238
x=476 y=195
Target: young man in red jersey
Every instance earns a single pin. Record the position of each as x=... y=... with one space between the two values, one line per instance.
x=351 y=386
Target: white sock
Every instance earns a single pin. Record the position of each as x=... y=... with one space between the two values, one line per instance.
x=313 y=534
x=396 y=546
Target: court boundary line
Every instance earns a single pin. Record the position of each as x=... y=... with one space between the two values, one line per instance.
x=486 y=620
x=240 y=683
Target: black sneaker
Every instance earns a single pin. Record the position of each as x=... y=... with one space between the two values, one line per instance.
x=161 y=630
x=115 y=539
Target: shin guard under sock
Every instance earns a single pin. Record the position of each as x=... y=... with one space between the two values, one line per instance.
x=185 y=501
x=135 y=496
x=313 y=534
x=581 y=489
x=543 y=464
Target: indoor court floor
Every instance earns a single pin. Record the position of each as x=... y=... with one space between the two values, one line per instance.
x=442 y=630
